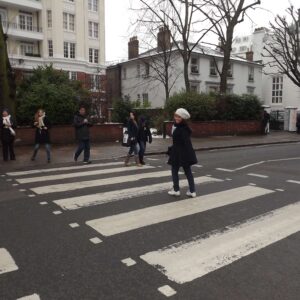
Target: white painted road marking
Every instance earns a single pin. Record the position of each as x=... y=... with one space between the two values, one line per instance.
x=64 y=187
x=96 y=240
x=74 y=168
x=129 y=262
x=224 y=170
x=78 y=174
x=124 y=222
x=57 y=212
x=182 y=263
x=293 y=181
x=101 y=198
x=74 y=225
x=258 y=175
x=167 y=291
x=31 y=297
x=7 y=263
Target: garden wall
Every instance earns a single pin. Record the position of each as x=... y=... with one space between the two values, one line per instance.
x=65 y=134
x=217 y=128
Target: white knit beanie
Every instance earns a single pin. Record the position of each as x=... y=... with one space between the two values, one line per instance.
x=183 y=113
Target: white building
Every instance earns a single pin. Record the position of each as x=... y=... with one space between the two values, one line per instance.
x=70 y=34
x=278 y=90
x=139 y=80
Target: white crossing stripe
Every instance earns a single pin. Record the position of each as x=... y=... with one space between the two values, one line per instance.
x=224 y=170
x=97 y=183
x=96 y=240
x=31 y=297
x=161 y=213
x=257 y=175
x=7 y=263
x=61 y=169
x=293 y=181
x=101 y=198
x=79 y=174
x=129 y=262
x=167 y=291
x=186 y=261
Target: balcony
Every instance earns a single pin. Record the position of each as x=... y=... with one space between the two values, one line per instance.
x=24 y=31
x=29 y=5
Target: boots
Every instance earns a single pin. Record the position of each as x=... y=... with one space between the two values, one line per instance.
x=34 y=155
x=126 y=163
x=137 y=161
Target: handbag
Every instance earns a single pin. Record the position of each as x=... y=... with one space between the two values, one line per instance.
x=125 y=141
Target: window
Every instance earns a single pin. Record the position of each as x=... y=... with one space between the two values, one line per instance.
x=238 y=40
x=213 y=68
x=213 y=89
x=124 y=73
x=138 y=70
x=145 y=99
x=245 y=39
x=72 y=75
x=243 y=48
x=26 y=49
x=94 y=56
x=93 y=5
x=69 y=22
x=250 y=90
x=69 y=50
x=194 y=87
x=50 y=48
x=147 y=70
x=93 y=30
x=230 y=70
x=277 y=89
x=3 y=18
x=251 y=74
x=94 y=82
x=26 y=22
x=49 y=18
x=194 y=65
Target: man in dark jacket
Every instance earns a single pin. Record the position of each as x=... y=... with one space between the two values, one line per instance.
x=144 y=136
x=7 y=135
x=82 y=132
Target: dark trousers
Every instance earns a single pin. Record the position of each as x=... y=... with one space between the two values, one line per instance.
x=188 y=174
x=84 y=145
x=142 y=150
x=8 y=149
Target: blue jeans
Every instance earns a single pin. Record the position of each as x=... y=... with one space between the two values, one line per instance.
x=142 y=151
x=84 y=145
x=134 y=149
x=48 y=150
x=188 y=174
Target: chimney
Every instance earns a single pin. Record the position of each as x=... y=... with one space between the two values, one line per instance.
x=133 y=48
x=249 y=55
x=163 y=39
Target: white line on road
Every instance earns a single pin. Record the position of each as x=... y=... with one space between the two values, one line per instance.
x=79 y=174
x=224 y=170
x=97 y=183
x=167 y=291
x=61 y=169
x=258 y=175
x=96 y=240
x=129 y=262
x=182 y=263
x=293 y=181
x=7 y=263
x=31 y=297
x=124 y=222
x=101 y=198
x=57 y=212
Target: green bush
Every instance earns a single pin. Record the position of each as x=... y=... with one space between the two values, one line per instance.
x=51 y=90
x=207 y=107
x=121 y=110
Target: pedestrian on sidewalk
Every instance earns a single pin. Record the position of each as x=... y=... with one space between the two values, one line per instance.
x=144 y=136
x=8 y=135
x=266 y=122
x=82 y=132
x=181 y=153
x=42 y=134
x=133 y=131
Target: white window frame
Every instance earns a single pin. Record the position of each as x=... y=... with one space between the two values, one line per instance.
x=49 y=18
x=26 y=48
x=3 y=17
x=250 y=90
x=195 y=65
x=195 y=86
x=71 y=50
x=138 y=70
x=251 y=74
x=93 y=5
x=68 y=22
x=277 y=89
x=95 y=82
x=50 y=48
x=93 y=30
x=93 y=56
x=145 y=98
x=28 y=21
x=72 y=75
x=213 y=68
x=230 y=71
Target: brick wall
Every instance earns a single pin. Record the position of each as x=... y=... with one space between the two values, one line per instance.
x=218 y=128
x=66 y=134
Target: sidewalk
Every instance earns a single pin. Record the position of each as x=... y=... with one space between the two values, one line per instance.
x=64 y=154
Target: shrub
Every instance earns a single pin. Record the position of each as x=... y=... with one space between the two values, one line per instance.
x=121 y=110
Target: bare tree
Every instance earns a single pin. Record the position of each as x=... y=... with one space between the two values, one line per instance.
x=283 y=47
x=224 y=15
x=184 y=21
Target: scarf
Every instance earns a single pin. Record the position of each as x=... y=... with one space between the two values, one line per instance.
x=7 y=124
x=41 y=121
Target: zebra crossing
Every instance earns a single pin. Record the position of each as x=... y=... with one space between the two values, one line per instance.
x=105 y=183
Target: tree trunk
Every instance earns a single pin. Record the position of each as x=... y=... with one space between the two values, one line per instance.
x=186 y=75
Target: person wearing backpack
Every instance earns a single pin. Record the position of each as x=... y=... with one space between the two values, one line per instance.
x=181 y=153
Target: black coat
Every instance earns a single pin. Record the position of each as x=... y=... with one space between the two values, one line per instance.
x=182 y=153
x=144 y=133
x=82 y=130
x=133 y=130
x=42 y=135
x=6 y=135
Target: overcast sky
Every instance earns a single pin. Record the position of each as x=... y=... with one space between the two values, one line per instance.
x=119 y=19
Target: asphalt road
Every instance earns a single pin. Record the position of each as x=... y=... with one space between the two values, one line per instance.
x=107 y=232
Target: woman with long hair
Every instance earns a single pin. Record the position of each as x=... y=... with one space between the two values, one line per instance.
x=133 y=131
x=181 y=153
x=42 y=135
